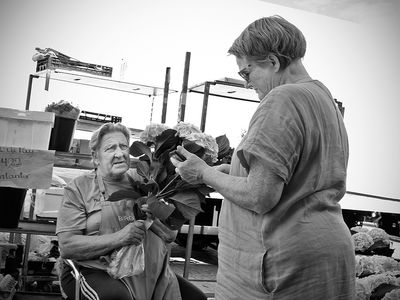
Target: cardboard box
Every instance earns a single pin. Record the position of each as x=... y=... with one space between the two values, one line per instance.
x=24 y=128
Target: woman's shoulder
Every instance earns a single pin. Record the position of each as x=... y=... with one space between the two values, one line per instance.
x=83 y=179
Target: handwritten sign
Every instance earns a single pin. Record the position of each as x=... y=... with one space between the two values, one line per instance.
x=26 y=168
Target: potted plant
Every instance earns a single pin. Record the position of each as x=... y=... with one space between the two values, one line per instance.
x=64 y=124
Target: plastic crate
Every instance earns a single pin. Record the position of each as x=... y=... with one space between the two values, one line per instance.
x=25 y=128
x=52 y=63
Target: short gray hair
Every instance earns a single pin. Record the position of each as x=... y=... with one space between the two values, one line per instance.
x=270 y=35
x=97 y=135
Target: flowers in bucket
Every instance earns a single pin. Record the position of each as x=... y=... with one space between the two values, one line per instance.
x=169 y=198
x=63 y=108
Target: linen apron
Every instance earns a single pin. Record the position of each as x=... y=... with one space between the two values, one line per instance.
x=157 y=281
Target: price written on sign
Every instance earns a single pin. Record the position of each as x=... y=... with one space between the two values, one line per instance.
x=26 y=168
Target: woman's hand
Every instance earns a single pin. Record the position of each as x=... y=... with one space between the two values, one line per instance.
x=192 y=169
x=224 y=168
x=133 y=233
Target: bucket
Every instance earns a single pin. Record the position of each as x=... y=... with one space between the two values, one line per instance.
x=11 y=203
x=62 y=133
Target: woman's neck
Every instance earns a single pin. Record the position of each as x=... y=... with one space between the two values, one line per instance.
x=294 y=73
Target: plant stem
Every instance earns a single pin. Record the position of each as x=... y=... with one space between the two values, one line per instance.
x=169 y=183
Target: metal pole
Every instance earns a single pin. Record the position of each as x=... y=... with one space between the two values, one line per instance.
x=182 y=101
x=166 y=91
x=205 y=104
x=188 y=252
x=28 y=94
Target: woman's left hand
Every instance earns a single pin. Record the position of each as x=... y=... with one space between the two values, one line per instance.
x=192 y=169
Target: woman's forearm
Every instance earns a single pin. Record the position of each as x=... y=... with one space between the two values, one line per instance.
x=83 y=247
x=258 y=192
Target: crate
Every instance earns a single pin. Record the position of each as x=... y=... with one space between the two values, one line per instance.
x=53 y=63
x=24 y=128
x=48 y=203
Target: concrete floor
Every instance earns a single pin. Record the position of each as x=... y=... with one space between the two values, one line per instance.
x=202 y=270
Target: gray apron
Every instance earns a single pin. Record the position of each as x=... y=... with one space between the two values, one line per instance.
x=157 y=281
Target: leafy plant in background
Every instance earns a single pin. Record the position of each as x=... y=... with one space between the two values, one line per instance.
x=170 y=198
x=63 y=108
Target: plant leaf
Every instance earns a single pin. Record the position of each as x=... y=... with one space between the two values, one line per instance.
x=123 y=194
x=192 y=147
x=187 y=211
x=143 y=169
x=188 y=203
x=138 y=149
x=166 y=141
x=159 y=208
x=223 y=146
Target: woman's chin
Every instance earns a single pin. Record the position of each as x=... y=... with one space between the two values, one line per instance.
x=119 y=170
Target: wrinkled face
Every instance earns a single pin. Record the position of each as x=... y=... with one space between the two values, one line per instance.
x=113 y=155
x=258 y=75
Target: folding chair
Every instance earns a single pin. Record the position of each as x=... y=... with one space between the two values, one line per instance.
x=77 y=275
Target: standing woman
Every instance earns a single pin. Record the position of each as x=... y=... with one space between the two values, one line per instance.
x=281 y=230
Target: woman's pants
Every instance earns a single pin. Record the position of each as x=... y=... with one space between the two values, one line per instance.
x=99 y=283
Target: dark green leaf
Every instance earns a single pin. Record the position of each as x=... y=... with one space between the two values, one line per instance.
x=187 y=211
x=188 y=198
x=166 y=141
x=223 y=146
x=123 y=194
x=192 y=147
x=143 y=169
x=175 y=220
x=162 y=175
x=138 y=149
x=160 y=209
x=155 y=168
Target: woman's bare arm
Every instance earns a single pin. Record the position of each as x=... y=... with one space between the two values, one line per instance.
x=75 y=245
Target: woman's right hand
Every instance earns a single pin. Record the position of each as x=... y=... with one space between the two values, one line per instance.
x=133 y=233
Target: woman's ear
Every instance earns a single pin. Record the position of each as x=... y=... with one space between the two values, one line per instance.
x=95 y=159
x=273 y=59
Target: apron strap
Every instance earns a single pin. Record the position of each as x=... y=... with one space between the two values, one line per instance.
x=103 y=193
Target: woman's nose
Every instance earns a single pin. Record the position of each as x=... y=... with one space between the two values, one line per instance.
x=118 y=152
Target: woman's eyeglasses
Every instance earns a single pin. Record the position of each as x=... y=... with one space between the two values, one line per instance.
x=245 y=73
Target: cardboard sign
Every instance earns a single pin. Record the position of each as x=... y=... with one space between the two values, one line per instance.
x=26 y=168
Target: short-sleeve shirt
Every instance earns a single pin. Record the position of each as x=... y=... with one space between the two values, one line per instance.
x=80 y=207
x=298 y=133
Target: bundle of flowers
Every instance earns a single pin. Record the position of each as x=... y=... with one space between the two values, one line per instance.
x=362 y=241
x=371 y=241
x=379 y=235
x=375 y=264
x=359 y=229
x=63 y=108
x=168 y=197
x=377 y=286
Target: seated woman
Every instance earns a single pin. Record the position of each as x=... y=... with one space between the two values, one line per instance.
x=90 y=228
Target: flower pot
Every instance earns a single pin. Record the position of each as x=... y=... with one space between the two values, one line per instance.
x=11 y=203
x=62 y=133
